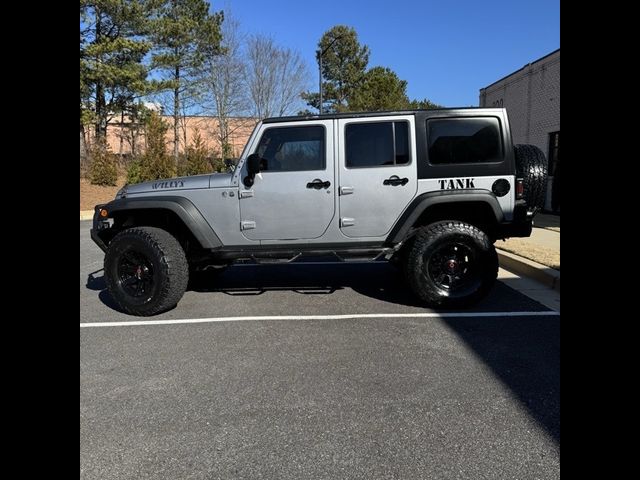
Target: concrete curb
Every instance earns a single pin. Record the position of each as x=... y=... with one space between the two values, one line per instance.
x=86 y=214
x=523 y=266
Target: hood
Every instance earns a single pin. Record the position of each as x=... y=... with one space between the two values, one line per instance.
x=217 y=180
x=179 y=183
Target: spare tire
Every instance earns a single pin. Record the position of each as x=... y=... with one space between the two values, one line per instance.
x=531 y=165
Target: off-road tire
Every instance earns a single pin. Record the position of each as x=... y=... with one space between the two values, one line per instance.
x=428 y=247
x=531 y=165
x=164 y=260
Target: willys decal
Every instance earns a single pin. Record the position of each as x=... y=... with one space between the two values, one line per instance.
x=171 y=184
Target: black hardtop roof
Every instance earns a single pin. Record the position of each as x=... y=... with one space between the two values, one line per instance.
x=330 y=116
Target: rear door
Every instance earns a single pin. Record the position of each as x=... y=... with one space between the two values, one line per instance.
x=292 y=196
x=377 y=173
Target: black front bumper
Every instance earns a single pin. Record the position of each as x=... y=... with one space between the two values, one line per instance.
x=97 y=226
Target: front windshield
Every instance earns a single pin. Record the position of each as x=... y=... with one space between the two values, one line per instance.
x=246 y=145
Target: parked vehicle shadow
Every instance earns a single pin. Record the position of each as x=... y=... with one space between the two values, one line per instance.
x=373 y=279
x=524 y=353
x=378 y=280
x=95 y=282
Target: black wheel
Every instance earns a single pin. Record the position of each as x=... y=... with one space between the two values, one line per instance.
x=146 y=270
x=531 y=165
x=451 y=264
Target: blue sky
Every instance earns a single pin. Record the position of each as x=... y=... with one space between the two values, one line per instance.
x=446 y=50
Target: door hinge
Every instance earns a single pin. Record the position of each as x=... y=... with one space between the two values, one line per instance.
x=247 y=225
x=346 y=190
x=245 y=193
x=347 y=222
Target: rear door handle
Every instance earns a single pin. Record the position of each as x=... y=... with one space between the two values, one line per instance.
x=318 y=184
x=395 y=180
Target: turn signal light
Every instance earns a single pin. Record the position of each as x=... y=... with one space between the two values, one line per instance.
x=103 y=213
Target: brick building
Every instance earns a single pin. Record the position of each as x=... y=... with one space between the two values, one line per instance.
x=531 y=96
x=122 y=138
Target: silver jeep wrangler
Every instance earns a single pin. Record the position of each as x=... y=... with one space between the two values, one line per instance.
x=429 y=190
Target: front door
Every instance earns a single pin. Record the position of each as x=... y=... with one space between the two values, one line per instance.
x=378 y=176
x=292 y=197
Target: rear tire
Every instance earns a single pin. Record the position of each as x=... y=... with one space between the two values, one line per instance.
x=451 y=264
x=146 y=270
x=531 y=165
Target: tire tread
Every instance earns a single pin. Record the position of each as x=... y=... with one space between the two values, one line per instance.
x=174 y=269
x=531 y=165
x=413 y=264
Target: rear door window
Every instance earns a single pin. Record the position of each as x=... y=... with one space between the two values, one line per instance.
x=377 y=144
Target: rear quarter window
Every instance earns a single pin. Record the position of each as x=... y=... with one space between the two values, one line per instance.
x=464 y=140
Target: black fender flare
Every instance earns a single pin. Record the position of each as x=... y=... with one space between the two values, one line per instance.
x=422 y=202
x=182 y=207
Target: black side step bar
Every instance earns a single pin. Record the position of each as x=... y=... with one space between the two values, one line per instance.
x=280 y=256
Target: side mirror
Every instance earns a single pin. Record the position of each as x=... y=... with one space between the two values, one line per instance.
x=253 y=164
x=253 y=167
x=230 y=164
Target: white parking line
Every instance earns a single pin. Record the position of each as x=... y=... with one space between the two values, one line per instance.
x=319 y=317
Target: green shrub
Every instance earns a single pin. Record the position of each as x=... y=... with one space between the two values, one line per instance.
x=134 y=172
x=195 y=160
x=182 y=165
x=103 y=169
x=156 y=163
x=216 y=164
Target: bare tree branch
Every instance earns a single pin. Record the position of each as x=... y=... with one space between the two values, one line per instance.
x=224 y=80
x=276 y=77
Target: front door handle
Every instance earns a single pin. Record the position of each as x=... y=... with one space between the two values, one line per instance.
x=395 y=180
x=318 y=184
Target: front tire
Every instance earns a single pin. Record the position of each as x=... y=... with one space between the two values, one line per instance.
x=451 y=264
x=146 y=270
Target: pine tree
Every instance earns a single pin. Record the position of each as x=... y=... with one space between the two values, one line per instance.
x=112 y=49
x=196 y=155
x=156 y=162
x=381 y=89
x=184 y=33
x=344 y=61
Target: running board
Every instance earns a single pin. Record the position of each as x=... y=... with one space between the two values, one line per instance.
x=280 y=257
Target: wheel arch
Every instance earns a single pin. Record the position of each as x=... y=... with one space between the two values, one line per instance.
x=177 y=215
x=477 y=207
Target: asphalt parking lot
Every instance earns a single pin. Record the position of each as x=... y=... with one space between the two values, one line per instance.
x=373 y=385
